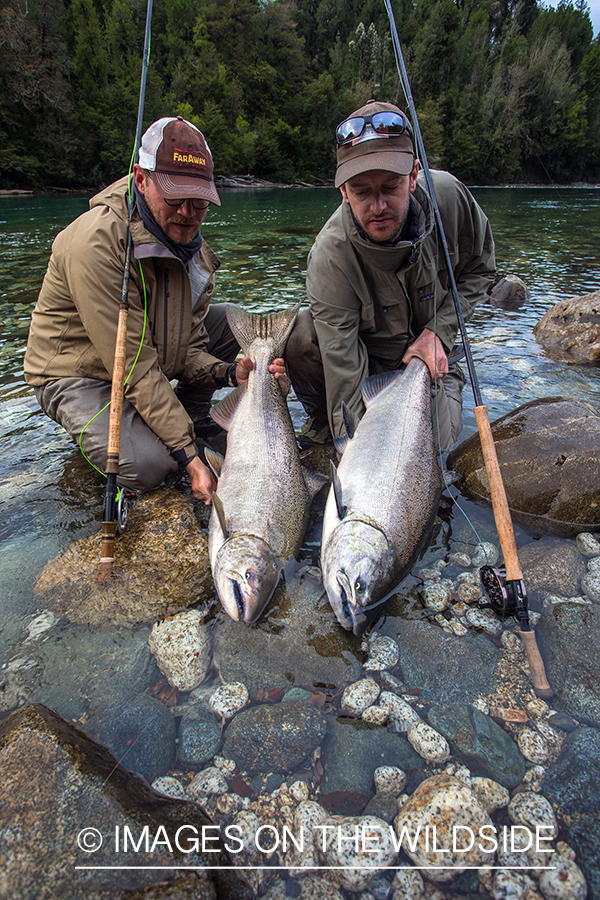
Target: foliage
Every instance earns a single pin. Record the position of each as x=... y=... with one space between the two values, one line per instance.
x=505 y=90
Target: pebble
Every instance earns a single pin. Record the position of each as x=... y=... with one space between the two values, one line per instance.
x=393 y=683
x=181 y=648
x=226 y=766
x=227 y=804
x=229 y=699
x=551 y=600
x=401 y=713
x=510 y=885
x=588 y=544
x=562 y=721
x=510 y=641
x=468 y=578
x=390 y=778
x=429 y=574
x=447 y=802
x=533 y=778
x=492 y=795
x=437 y=596
x=408 y=884
x=375 y=715
x=537 y=709
x=360 y=695
x=249 y=824
x=307 y=815
x=384 y=653
x=590 y=585
x=443 y=621
x=532 y=810
x=210 y=781
x=460 y=559
x=484 y=619
x=518 y=849
x=170 y=787
x=458 y=609
x=458 y=628
x=532 y=746
x=564 y=882
x=486 y=554
x=468 y=593
x=482 y=705
x=299 y=791
x=374 y=836
x=428 y=743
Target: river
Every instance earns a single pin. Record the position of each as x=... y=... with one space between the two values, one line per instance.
x=50 y=498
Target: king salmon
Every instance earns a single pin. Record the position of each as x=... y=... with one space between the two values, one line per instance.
x=260 y=508
x=384 y=496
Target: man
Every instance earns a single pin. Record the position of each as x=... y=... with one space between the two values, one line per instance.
x=377 y=283
x=172 y=331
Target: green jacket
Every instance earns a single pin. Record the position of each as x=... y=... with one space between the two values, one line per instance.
x=74 y=322
x=371 y=301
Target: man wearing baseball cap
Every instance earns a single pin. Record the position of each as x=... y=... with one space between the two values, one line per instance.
x=172 y=331
x=377 y=286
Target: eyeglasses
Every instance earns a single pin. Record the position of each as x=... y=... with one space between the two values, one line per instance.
x=196 y=203
x=383 y=124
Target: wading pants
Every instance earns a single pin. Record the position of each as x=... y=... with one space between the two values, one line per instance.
x=144 y=461
x=305 y=369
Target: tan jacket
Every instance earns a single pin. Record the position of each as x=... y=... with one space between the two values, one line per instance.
x=74 y=322
x=370 y=301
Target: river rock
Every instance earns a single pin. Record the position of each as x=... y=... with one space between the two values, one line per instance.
x=532 y=746
x=428 y=742
x=564 y=881
x=552 y=567
x=383 y=805
x=390 y=779
x=570 y=330
x=383 y=654
x=169 y=786
x=180 y=645
x=199 y=737
x=208 y=782
x=375 y=849
x=352 y=750
x=302 y=645
x=399 y=711
x=567 y=636
x=534 y=811
x=492 y=795
x=547 y=451
x=358 y=696
x=77 y=786
x=584 y=836
x=479 y=743
x=229 y=699
x=510 y=292
x=161 y=566
x=444 y=667
x=447 y=803
x=140 y=731
x=588 y=545
x=572 y=783
x=274 y=738
x=83 y=668
x=312 y=887
x=408 y=884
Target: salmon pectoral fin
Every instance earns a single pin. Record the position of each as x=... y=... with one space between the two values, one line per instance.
x=337 y=492
x=313 y=481
x=218 y=505
x=224 y=411
x=214 y=460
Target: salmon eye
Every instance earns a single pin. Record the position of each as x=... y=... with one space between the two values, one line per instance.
x=360 y=586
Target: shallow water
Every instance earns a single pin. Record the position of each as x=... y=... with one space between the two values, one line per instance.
x=49 y=496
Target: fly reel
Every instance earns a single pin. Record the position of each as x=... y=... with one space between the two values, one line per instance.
x=122 y=508
x=506 y=598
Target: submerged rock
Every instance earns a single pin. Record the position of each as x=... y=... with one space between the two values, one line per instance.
x=140 y=732
x=572 y=783
x=510 y=292
x=567 y=636
x=478 y=742
x=62 y=792
x=296 y=642
x=274 y=738
x=180 y=645
x=552 y=567
x=570 y=330
x=161 y=566
x=347 y=855
x=199 y=737
x=548 y=455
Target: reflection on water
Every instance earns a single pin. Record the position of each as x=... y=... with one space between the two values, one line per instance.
x=50 y=497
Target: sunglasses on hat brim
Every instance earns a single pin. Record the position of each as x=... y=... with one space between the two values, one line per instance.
x=384 y=124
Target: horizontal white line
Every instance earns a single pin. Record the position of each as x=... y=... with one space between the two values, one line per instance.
x=314 y=868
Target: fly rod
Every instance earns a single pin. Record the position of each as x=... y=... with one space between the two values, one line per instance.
x=109 y=512
x=506 y=591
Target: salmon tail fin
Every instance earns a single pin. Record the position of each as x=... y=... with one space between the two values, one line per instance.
x=248 y=327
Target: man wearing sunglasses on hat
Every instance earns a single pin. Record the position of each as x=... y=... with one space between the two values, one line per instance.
x=172 y=331
x=377 y=282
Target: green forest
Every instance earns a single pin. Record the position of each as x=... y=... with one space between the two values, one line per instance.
x=506 y=91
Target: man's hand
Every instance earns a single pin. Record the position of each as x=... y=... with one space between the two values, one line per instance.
x=203 y=483
x=430 y=349
x=245 y=366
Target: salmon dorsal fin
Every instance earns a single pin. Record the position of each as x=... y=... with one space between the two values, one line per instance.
x=218 y=505
x=214 y=460
x=313 y=481
x=351 y=420
x=224 y=411
x=275 y=327
x=337 y=491
x=375 y=384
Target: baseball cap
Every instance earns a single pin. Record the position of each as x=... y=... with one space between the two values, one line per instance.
x=372 y=150
x=176 y=152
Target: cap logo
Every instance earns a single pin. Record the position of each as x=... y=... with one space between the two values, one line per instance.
x=181 y=158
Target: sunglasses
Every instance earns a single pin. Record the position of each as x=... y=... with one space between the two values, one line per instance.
x=197 y=204
x=383 y=123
